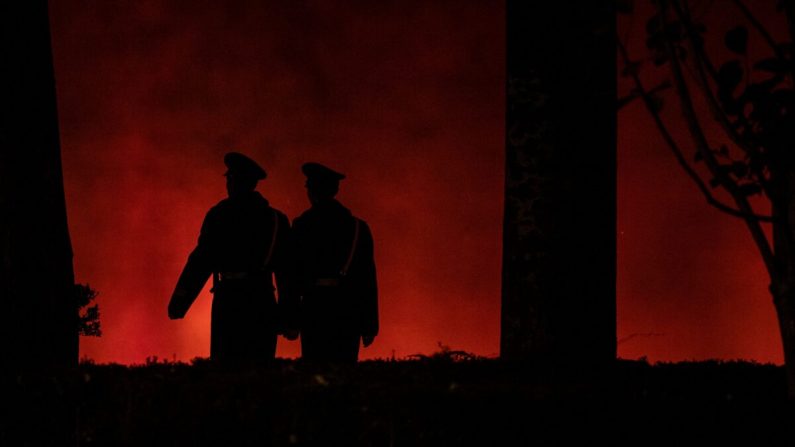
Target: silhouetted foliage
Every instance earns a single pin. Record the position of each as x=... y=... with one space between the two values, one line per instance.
x=426 y=403
x=446 y=354
x=88 y=314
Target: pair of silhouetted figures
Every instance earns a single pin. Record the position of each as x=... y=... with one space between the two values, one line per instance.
x=323 y=267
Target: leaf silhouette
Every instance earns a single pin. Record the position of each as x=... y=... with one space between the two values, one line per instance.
x=750 y=189
x=774 y=65
x=739 y=169
x=730 y=75
x=737 y=39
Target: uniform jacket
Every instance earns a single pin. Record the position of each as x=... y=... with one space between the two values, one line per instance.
x=324 y=242
x=237 y=236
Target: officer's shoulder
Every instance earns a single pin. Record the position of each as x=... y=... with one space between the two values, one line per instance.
x=280 y=215
x=303 y=217
x=362 y=223
x=297 y=223
x=218 y=207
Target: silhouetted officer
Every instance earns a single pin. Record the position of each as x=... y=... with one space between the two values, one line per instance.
x=335 y=273
x=243 y=241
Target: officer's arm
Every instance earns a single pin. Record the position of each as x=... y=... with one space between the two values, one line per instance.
x=283 y=261
x=195 y=274
x=369 y=286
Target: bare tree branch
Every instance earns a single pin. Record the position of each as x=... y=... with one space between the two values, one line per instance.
x=677 y=152
x=635 y=94
x=697 y=133
x=758 y=26
x=700 y=57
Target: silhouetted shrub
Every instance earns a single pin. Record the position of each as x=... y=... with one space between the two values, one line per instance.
x=88 y=323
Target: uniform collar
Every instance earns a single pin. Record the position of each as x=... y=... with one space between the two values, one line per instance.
x=248 y=197
x=329 y=206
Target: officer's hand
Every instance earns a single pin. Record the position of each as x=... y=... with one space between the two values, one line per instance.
x=174 y=313
x=290 y=334
x=367 y=340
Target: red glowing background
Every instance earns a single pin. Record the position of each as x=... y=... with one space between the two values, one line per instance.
x=407 y=99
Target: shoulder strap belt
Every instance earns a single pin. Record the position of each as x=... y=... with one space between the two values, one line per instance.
x=347 y=265
x=273 y=239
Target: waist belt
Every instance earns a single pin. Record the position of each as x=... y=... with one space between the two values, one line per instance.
x=327 y=282
x=234 y=276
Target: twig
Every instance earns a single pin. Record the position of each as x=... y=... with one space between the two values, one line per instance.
x=635 y=94
x=758 y=26
x=677 y=152
x=697 y=133
x=700 y=56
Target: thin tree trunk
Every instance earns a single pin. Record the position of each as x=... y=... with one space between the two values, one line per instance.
x=783 y=279
x=785 y=311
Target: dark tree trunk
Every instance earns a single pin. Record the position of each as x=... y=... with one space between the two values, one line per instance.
x=38 y=330
x=559 y=246
x=36 y=278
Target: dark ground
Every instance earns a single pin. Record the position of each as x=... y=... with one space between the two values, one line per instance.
x=431 y=401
